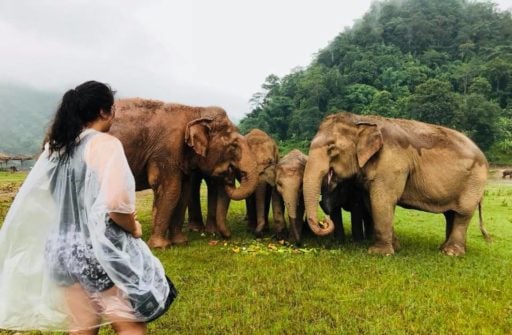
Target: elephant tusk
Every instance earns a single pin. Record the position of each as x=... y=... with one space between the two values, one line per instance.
x=329 y=176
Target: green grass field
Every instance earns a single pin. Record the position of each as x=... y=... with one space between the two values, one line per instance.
x=248 y=286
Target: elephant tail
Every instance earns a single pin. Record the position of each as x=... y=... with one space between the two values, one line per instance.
x=484 y=231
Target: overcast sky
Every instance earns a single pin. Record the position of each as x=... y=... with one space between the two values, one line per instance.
x=193 y=52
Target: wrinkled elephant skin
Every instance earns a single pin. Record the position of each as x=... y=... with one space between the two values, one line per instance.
x=289 y=175
x=165 y=142
x=399 y=162
x=265 y=149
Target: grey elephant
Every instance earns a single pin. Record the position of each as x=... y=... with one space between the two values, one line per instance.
x=289 y=174
x=399 y=162
x=350 y=196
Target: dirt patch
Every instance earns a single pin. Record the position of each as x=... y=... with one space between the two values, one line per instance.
x=8 y=191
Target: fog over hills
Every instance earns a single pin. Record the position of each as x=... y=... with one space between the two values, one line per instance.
x=25 y=113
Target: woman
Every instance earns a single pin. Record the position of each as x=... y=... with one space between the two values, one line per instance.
x=71 y=257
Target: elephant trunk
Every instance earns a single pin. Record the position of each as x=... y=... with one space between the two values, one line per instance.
x=316 y=169
x=248 y=168
x=290 y=194
x=291 y=201
x=295 y=229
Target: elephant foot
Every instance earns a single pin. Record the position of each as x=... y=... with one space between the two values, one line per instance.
x=339 y=236
x=195 y=226
x=282 y=234
x=381 y=249
x=211 y=229
x=357 y=239
x=251 y=224
x=225 y=232
x=157 y=242
x=258 y=234
x=396 y=244
x=453 y=249
x=258 y=231
x=179 y=239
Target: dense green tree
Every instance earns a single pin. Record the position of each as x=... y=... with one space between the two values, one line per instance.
x=382 y=104
x=480 y=85
x=479 y=120
x=434 y=102
x=358 y=97
x=499 y=73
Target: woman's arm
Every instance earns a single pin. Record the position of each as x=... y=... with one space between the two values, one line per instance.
x=104 y=154
x=128 y=222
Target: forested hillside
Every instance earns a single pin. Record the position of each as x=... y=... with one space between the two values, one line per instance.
x=447 y=62
x=24 y=115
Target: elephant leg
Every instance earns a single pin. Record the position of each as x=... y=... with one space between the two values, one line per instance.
x=368 y=224
x=221 y=212
x=278 y=214
x=337 y=219
x=356 y=220
x=195 y=216
x=455 y=245
x=383 y=194
x=300 y=220
x=166 y=191
x=212 y=198
x=260 y=193
x=250 y=206
x=449 y=216
x=396 y=242
x=178 y=217
x=383 y=217
x=268 y=199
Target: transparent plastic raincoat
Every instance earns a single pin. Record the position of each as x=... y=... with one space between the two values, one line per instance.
x=58 y=233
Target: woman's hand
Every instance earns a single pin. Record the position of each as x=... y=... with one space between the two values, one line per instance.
x=137 y=232
x=128 y=222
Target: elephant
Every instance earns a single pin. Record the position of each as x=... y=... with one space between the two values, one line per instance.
x=289 y=174
x=507 y=173
x=266 y=152
x=164 y=143
x=407 y=163
x=350 y=196
x=218 y=204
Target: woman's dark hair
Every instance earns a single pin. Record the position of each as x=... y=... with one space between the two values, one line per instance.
x=79 y=106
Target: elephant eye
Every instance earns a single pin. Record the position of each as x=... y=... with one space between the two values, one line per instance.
x=332 y=150
x=234 y=149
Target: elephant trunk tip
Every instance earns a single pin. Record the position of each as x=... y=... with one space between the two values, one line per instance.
x=323 y=227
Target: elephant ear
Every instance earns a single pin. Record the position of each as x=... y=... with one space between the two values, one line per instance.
x=369 y=142
x=197 y=135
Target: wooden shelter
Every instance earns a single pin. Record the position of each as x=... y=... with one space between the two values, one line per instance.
x=4 y=159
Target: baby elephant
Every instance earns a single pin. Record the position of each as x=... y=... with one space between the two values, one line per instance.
x=507 y=173
x=289 y=173
x=337 y=195
x=266 y=152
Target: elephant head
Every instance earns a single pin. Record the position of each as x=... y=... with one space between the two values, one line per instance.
x=343 y=145
x=221 y=151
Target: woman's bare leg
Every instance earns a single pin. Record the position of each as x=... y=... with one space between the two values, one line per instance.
x=85 y=315
x=119 y=311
